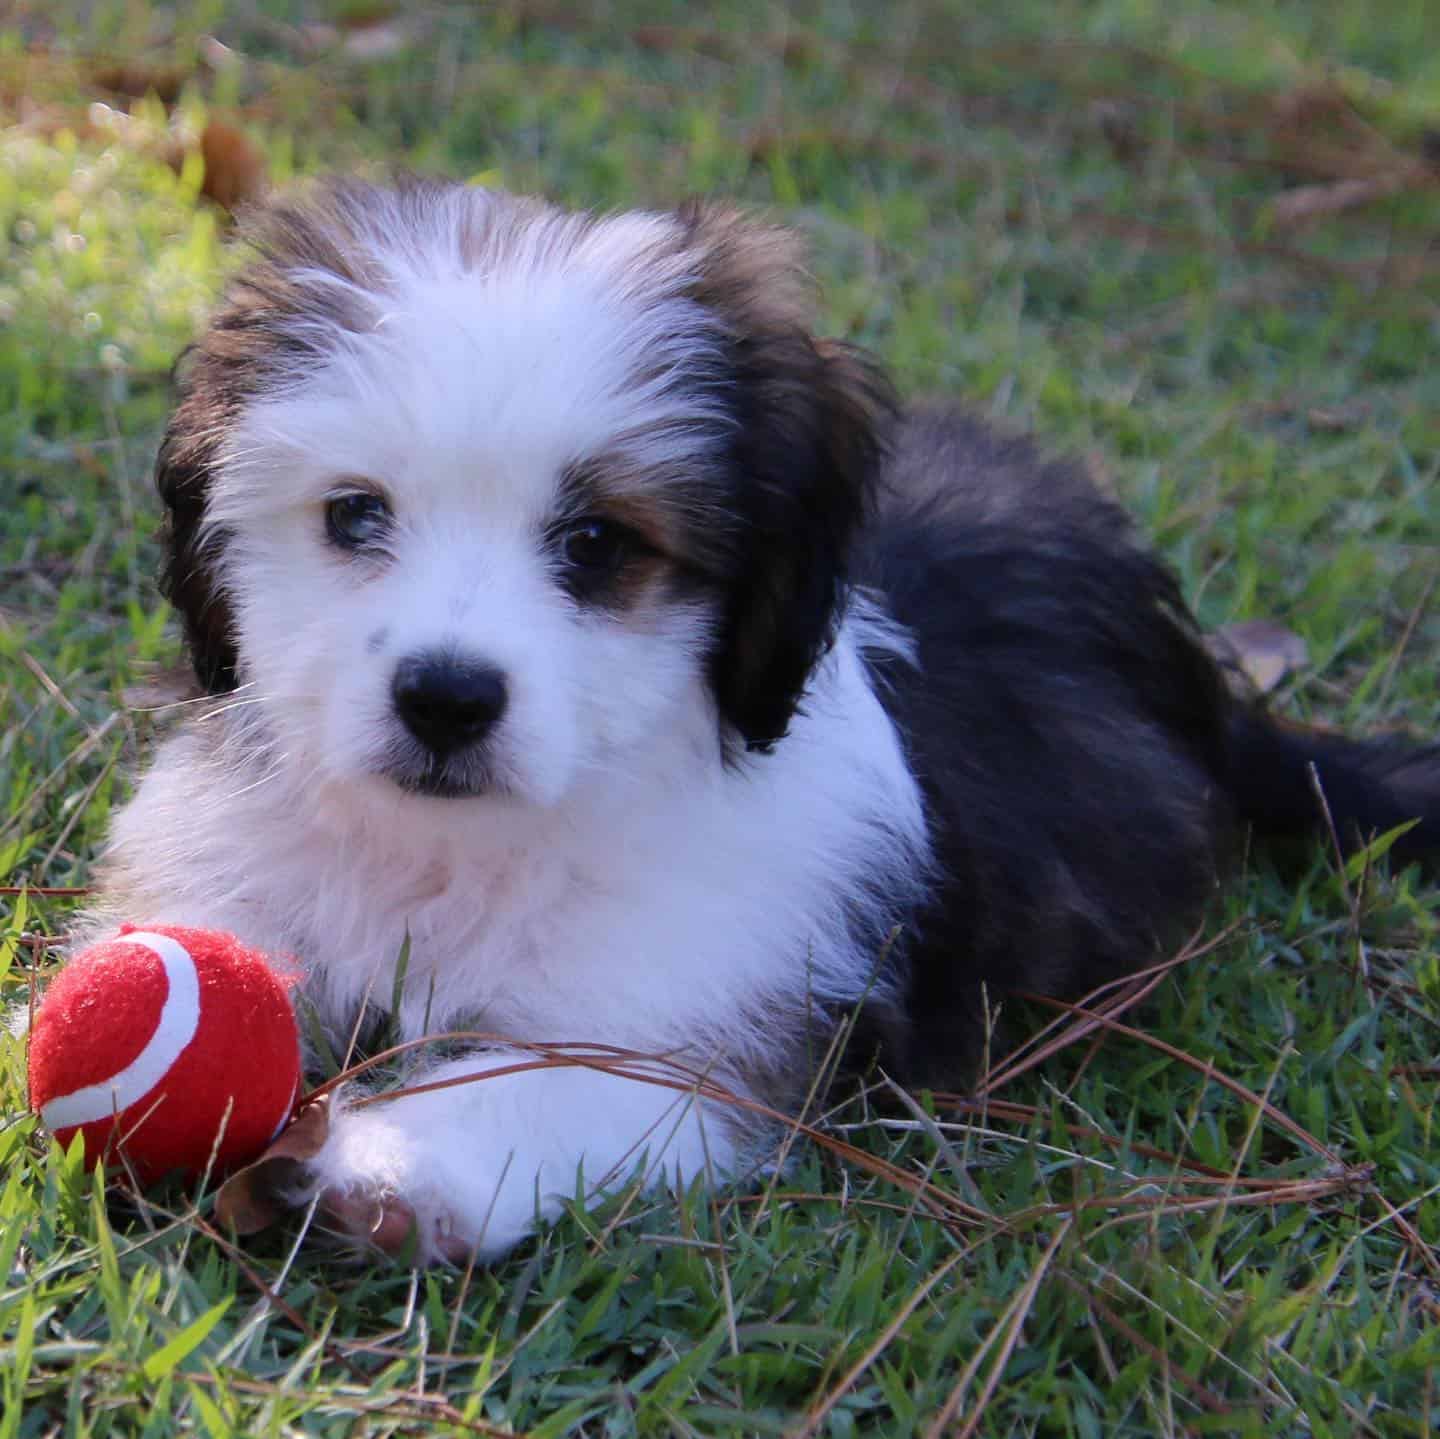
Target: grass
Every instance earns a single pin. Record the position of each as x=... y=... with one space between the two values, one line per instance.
x=1116 y=223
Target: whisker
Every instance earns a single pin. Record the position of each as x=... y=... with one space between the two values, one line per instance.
x=275 y=769
x=195 y=700
x=233 y=705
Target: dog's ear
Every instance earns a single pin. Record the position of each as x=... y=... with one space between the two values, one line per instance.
x=809 y=418
x=189 y=568
x=269 y=322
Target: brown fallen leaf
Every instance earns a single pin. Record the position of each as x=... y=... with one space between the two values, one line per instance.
x=1257 y=655
x=258 y=1196
x=135 y=79
x=235 y=171
x=1308 y=203
x=1336 y=419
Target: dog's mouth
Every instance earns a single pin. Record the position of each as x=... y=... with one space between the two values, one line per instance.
x=445 y=777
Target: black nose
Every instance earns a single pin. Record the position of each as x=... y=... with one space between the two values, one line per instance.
x=446 y=703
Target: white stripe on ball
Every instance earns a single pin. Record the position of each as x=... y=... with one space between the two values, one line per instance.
x=179 y=1019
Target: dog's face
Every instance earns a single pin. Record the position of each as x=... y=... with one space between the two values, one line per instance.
x=476 y=547
x=473 y=495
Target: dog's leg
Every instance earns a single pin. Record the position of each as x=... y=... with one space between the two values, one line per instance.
x=470 y=1168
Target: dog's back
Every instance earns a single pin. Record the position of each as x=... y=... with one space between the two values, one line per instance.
x=1086 y=768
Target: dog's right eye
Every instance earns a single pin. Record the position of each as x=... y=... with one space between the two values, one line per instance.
x=357 y=521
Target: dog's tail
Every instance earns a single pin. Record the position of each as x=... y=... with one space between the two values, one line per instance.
x=1285 y=780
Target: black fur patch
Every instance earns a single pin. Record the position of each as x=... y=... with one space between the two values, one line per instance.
x=804 y=462
x=1083 y=765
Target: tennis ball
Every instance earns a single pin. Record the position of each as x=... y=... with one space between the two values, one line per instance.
x=174 y=1048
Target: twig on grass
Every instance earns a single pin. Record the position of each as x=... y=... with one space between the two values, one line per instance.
x=16 y=820
x=48 y=891
x=1168 y=1367
x=819 y=1411
x=1353 y=898
x=1011 y=1320
x=423 y=1409
x=1423 y=1251
x=1123 y=993
x=1279 y=1117
x=1417 y=612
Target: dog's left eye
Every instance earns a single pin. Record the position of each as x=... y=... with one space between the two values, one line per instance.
x=356 y=521
x=594 y=546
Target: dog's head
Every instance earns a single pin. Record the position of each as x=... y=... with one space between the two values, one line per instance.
x=471 y=493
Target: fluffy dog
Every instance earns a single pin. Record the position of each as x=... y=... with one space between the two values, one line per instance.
x=585 y=628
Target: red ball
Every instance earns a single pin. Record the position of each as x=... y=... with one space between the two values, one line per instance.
x=166 y=1045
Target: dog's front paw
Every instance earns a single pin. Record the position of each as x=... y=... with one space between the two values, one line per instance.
x=390 y=1223
x=410 y=1179
x=371 y=1183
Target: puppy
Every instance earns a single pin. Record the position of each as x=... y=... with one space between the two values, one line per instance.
x=586 y=630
